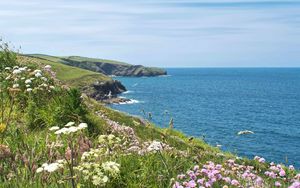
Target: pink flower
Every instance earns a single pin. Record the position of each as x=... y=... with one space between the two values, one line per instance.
x=291 y=167
x=235 y=182
x=227 y=179
x=181 y=176
x=191 y=184
x=259 y=181
x=177 y=185
x=282 y=172
x=200 y=181
x=262 y=160
x=277 y=184
x=295 y=185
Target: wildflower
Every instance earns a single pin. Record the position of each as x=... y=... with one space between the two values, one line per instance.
x=155 y=146
x=28 y=85
x=82 y=126
x=2 y=127
x=69 y=124
x=51 y=87
x=48 y=67
x=296 y=184
x=277 y=184
x=73 y=129
x=52 y=167
x=262 y=160
x=191 y=184
x=38 y=75
x=39 y=170
x=17 y=71
x=54 y=128
x=44 y=79
x=15 y=85
x=291 y=167
x=28 y=89
x=111 y=167
x=235 y=182
x=28 y=81
x=282 y=172
x=7 y=68
x=111 y=137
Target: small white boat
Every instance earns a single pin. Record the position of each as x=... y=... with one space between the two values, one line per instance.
x=245 y=132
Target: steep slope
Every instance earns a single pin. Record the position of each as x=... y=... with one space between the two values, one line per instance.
x=95 y=85
x=107 y=67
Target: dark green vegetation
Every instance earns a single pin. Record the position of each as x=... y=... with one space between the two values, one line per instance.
x=123 y=151
x=107 y=67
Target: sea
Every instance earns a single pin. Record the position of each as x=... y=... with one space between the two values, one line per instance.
x=214 y=104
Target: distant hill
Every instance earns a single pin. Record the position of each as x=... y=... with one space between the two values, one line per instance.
x=94 y=84
x=107 y=67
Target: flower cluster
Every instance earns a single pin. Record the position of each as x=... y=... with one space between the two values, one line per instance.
x=92 y=169
x=52 y=167
x=231 y=174
x=68 y=129
x=28 y=80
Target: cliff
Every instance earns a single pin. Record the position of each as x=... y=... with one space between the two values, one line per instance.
x=107 y=67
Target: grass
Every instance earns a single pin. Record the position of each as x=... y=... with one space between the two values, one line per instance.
x=64 y=72
x=31 y=143
x=77 y=58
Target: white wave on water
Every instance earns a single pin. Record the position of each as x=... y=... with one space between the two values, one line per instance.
x=127 y=92
x=165 y=75
x=131 y=101
x=135 y=84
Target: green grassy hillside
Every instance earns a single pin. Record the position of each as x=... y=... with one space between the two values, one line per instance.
x=107 y=67
x=53 y=136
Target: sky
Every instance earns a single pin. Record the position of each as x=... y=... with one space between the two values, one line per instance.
x=163 y=33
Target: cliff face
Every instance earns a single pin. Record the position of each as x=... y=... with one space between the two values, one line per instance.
x=104 y=90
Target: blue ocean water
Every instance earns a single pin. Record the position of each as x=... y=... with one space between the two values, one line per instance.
x=216 y=103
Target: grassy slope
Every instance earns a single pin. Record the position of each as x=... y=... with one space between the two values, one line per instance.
x=68 y=74
x=92 y=61
x=136 y=171
x=77 y=58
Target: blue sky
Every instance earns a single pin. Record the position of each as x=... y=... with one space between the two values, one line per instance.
x=165 y=33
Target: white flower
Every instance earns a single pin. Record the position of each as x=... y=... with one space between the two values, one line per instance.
x=37 y=71
x=28 y=85
x=51 y=87
x=82 y=126
x=155 y=146
x=52 y=167
x=48 y=67
x=73 y=129
x=28 y=81
x=22 y=69
x=16 y=67
x=15 y=85
x=39 y=170
x=7 y=68
x=28 y=89
x=38 y=75
x=54 y=128
x=111 y=136
x=69 y=124
x=17 y=71
x=111 y=167
x=44 y=79
x=62 y=131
